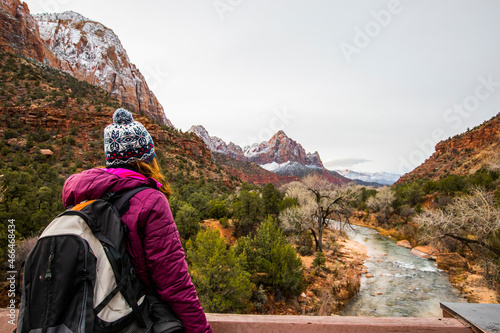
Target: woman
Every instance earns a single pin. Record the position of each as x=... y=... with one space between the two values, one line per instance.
x=153 y=240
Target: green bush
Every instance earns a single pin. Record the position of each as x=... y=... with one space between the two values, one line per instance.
x=287 y=203
x=319 y=260
x=452 y=184
x=271 y=259
x=187 y=220
x=218 y=209
x=200 y=202
x=430 y=186
x=484 y=178
x=271 y=198
x=9 y=134
x=78 y=163
x=248 y=213
x=410 y=193
x=305 y=251
x=31 y=196
x=305 y=239
x=221 y=283
x=224 y=222
x=71 y=140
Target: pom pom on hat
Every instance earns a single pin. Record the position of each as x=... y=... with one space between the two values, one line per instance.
x=122 y=117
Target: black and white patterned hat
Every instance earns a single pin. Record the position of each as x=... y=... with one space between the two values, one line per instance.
x=126 y=140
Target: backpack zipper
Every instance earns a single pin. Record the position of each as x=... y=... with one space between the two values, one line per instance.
x=87 y=281
x=84 y=305
x=48 y=273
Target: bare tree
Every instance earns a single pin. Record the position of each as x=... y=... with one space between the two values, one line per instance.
x=382 y=202
x=320 y=201
x=472 y=220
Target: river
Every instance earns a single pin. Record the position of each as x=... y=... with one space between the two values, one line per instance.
x=403 y=285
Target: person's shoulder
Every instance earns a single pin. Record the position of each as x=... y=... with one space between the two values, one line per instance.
x=151 y=196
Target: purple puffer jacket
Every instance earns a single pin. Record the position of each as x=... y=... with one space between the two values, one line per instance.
x=154 y=244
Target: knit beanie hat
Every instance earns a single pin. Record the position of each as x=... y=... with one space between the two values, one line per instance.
x=126 y=140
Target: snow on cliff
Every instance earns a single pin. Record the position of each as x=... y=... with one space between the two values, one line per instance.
x=93 y=53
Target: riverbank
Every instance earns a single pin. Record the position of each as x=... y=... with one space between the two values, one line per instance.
x=331 y=287
x=328 y=288
x=469 y=280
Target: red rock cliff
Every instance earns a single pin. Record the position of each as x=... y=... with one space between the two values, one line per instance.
x=93 y=53
x=461 y=155
x=19 y=32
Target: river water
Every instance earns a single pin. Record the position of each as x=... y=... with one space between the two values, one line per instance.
x=403 y=285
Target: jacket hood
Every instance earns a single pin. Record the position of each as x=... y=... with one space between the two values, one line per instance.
x=95 y=183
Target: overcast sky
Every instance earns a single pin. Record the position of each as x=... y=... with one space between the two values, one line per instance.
x=370 y=85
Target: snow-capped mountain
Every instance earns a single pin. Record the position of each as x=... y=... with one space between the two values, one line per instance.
x=274 y=153
x=280 y=155
x=93 y=53
x=281 y=149
x=384 y=178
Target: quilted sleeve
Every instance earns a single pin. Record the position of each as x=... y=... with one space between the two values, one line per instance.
x=167 y=265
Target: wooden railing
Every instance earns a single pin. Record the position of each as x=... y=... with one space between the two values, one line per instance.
x=229 y=323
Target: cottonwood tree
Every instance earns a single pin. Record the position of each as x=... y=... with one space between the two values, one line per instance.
x=382 y=202
x=472 y=220
x=319 y=202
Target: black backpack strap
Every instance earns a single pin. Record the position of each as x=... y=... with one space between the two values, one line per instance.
x=121 y=200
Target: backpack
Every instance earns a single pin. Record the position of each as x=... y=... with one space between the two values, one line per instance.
x=78 y=277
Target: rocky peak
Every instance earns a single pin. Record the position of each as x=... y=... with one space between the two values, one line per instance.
x=216 y=144
x=314 y=159
x=93 y=53
x=278 y=150
x=281 y=149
